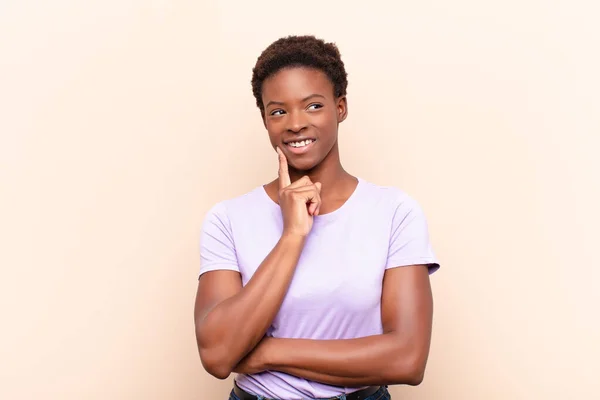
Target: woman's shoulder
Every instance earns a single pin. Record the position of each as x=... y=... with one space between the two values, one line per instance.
x=387 y=194
x=240 y=203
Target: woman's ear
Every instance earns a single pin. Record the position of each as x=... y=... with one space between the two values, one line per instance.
x=342 y=108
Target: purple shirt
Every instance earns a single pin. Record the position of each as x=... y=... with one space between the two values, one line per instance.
x=336 y=289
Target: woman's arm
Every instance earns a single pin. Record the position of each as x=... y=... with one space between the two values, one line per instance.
x=398 y=356
x=231 y=319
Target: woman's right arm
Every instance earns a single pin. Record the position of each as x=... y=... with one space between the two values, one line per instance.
x=231 y=319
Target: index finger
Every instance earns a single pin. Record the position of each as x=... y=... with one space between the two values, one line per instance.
x=284 y=174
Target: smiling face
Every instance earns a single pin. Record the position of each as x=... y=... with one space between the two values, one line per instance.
x=302 y=115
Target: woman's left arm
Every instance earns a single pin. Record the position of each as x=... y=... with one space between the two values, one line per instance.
x=398 y=356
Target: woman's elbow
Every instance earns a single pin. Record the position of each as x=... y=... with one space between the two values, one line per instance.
x=416 y=376
x=214 y=359
x=408 y=370
x=215 y=364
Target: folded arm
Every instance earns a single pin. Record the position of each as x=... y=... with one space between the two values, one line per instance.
x=230 y=319
x=398 y=356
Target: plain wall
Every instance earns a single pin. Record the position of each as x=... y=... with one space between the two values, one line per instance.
x=122 y=122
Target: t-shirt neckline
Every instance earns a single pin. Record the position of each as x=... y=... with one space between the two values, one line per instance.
x=324 y=217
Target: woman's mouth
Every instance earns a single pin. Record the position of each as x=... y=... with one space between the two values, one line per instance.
x=300 y=146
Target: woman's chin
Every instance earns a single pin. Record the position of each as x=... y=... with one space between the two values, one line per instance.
x=303 y=166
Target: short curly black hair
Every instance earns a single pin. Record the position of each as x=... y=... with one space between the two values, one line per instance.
x=299 y=51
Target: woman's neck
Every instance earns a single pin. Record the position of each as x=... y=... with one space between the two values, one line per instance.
x=330 y=173
x=337 y=185
x=328 y=177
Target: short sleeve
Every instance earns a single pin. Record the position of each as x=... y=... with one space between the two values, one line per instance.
x=409 y=239
x=217 y=248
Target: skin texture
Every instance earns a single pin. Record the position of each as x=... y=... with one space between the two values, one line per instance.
x=231 y=320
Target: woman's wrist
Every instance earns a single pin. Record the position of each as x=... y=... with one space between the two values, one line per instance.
x=292 y=239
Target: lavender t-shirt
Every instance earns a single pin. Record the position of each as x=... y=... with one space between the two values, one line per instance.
x=336 y=289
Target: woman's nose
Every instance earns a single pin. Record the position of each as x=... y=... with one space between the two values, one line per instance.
x=296 y=122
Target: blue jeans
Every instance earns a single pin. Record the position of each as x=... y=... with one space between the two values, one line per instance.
x=381 y=394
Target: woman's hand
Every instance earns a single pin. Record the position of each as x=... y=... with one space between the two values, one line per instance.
x=299 y=201
x=255 y=361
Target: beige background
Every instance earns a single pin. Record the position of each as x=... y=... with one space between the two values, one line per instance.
x=122 y=122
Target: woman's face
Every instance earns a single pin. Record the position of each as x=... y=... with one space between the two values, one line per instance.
x=302 y=115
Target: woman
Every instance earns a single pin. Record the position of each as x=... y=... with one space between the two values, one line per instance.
x=315 y=285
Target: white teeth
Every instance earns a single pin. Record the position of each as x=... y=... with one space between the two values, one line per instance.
x=301 y=143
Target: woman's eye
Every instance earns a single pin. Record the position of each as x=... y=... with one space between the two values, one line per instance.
x=277 y=112
x=315 y=106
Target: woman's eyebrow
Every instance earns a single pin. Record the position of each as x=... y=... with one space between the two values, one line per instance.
x=281 y=103
x=312 y=96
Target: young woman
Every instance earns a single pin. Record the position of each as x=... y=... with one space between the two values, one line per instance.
x=315 y=285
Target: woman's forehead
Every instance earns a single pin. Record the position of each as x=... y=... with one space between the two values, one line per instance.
x=297 y=83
